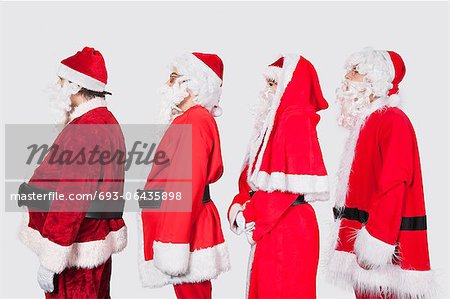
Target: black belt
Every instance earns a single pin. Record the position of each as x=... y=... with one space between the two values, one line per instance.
x=408 y=223
x=151 y=199
x=206 y=195
x=98 y=209
x=298 y=201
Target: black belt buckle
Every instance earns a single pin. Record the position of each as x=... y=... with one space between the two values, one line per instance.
x=150 y=199
x=105 y=209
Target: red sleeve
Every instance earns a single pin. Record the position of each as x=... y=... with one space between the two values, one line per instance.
x=375 y=243
x=241 y=201
x=78 y=178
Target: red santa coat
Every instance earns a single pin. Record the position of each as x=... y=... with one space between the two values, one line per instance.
x=185 y=246
x=381 y=214
x=286 y=155
x=68 y=239
x=284 y=161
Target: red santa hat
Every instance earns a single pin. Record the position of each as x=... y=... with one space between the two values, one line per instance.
x=397 y=69
x=86 y=68
x=287 y=156
x=205 y=74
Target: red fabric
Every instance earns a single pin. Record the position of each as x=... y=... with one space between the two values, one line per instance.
x=399 y=69
x=199 y=290
x=199 y=225
x=265 y=209
x=213 y=61
x=293 y=146
x=65 y=228
x=278 y=63
x=374 y=296
x=286 y=259
x=89 y=62
x=386 y=181
x=83 y=283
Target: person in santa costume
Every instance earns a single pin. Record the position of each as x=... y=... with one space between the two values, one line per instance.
x=282 y=173
x=74 y=240
x=181 y=242
x=381 y=248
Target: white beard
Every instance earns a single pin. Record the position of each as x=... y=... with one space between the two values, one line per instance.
x=171 y=96
x=60 y=104
x=262 y=109
x=354 y=100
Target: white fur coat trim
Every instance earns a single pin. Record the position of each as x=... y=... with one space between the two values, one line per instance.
x=204 y=264
x=87 y=106
x=82 y=255
x=390 y=279
x=372 y=251
x=170 y=258
x=251 y=258
x=313 y=186
x=350 y=146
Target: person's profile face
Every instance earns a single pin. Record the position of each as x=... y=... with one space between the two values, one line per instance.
x=61 y=81
x=271 y=84
x=172 y=78
x=354 y=75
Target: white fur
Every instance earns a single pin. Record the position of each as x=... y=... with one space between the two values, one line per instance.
x=319 y=196
x=81 y=79
x=390 y=64
x=170 y=258
x=249 y=269
x=87 y=106
x=348 y=155
x=272 y=73
x=294 y=183
x=372 y=251
x=390 y=279
x=234 y=210
x=56 y=257
x=376 y=68
x=204 y=264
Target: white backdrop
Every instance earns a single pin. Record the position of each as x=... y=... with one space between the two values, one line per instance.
x=139 y=39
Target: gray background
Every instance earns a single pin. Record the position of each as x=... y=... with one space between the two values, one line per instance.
x=139 y=39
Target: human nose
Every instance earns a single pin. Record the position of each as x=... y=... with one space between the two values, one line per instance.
x=349 y=76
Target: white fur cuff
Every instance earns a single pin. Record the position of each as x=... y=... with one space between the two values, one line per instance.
x=322 y=196
x=54 y=257
x=372 y=251
x=171 y=258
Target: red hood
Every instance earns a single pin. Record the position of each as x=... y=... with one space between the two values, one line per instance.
x=290 y=157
